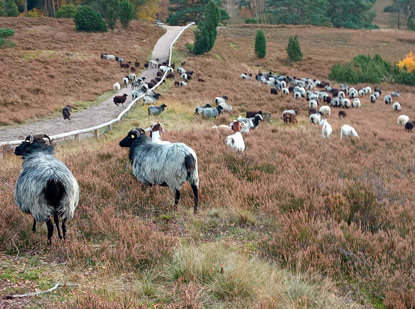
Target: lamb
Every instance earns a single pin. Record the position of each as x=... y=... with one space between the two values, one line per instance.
x=251 y=123
x=325 y=110
x=165 y=165
x=289 y=117
x=66 y=112
x=315 y=118
x=120 y=99
x=219 y=100
x=246 y=76
x=396 y=106
x=156 y=110
x=347 y=130
x=155 y=133
x=342 y=114
x=210 y=112
x=236 y=141
x=116 y=86
x=356 y=103
x=402 y=120
x=326 y=130
x=199 y=108
x=388 y=99
x=409 y=126
x=45 y=186
x=312 y=104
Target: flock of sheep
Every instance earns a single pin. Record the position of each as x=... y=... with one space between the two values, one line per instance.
x=317 y=92
x=47 y=189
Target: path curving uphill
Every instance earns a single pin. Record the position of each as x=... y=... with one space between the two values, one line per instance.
x=97 y=114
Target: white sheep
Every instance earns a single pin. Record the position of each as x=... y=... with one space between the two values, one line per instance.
x=402 y=120
x=312 y=104
x=347 y=130
x=325 y=110
x=326 y=130
x=246 y=76
x=236 y=141
x=346 y=103
x=285 y=91
x=388 y=99
x=125 y=81
x=373 y=97
x=356 y=103
x=132 y=77
x=396 y=106
x=116 y=86
x=315 y=118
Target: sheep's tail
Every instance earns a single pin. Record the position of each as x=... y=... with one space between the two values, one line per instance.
x=54 y=193
x=192 y=176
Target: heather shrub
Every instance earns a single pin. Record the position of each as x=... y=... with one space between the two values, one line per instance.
x=66 y=11
x=88 y=20
x=293 y=49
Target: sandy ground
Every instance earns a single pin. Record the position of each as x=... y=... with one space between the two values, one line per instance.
x=97 y=114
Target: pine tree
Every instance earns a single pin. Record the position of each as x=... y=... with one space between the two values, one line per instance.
x=184 y=11
x=126 y=12
x=205 y=34
x=354 y=14
x=293 y=49
x=260 y=44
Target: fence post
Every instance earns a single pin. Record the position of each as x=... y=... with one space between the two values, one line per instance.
x=96 y=134
x=77 y=137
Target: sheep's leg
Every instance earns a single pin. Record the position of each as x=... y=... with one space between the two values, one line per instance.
x=56 y=220
x=64 y=228
x=196 y=198
x=176 y=198
x=49 y=225
x=34 y=226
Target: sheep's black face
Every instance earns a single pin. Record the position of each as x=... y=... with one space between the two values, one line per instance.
x=23 y=147
x=131 y=137
x=31 y=145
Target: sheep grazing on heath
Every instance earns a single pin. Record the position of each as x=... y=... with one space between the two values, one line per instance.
x=66 y=112
x=326 y=129
x=289 y=118
x=45 y=187
x=396 y=106
x=125 y=81
x=162 y=164
x=199 y=109
x=347 y=130
x=402 y=120
x=325 y=110
x=120 y=99
x=236 y=141
x=356 y=103
x=388 y=99
x=409 y=126
x=116 y=86
x=315 y=118
x=211 y=112
x=342 y=114
x=156 y=110
x=252 y=114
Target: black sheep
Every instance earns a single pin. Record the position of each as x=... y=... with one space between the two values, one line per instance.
x=274 y=91
x=409 y=126
x=342 y=114
x=120 y=99
x=66 y=112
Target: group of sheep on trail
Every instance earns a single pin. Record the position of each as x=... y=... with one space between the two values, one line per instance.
x=47 y=189
x=315 y=92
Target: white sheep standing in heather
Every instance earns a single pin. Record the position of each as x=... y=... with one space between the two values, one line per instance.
x=326 y=129
x=402 y=120
x=325 y=110
x=312 y=104
x=396 y=106
x=356 y=103
x=116 y=86
x=315 y=118
x=236 y=141
x=125 y=81
x=347 y=130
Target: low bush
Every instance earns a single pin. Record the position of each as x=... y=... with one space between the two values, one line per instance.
x=66 y=11
x=6 y=32
x=250 y=21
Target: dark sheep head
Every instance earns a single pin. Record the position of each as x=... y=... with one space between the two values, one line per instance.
x=33 y=143
x=219 y=108
x=131 y=137
x=163 y=106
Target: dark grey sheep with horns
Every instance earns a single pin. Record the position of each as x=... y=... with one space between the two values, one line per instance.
x=45 y=187
x=162 y=164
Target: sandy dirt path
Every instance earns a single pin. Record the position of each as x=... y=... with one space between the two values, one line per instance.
x=97 y=114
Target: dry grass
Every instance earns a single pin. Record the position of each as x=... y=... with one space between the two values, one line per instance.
x=52 y=65
x=339 y=209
